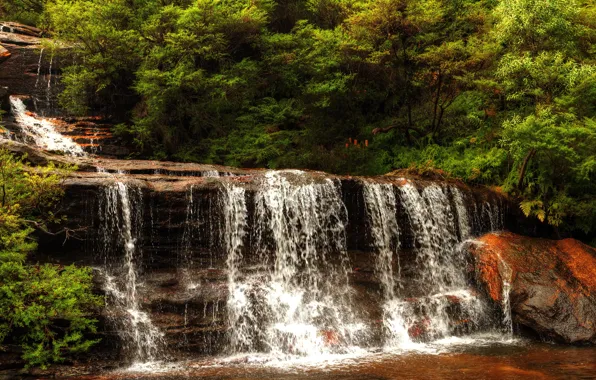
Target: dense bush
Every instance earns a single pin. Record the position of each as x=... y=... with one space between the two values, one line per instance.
x=43 y=308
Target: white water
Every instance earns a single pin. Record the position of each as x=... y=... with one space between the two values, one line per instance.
x=42 y=131
x=299 y=304
x=235 y=214
x=39 y=67
x=507 y=276
x=440 y=262
x=381 y=207
x=141 y=338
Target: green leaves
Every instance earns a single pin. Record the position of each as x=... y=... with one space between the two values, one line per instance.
x=36 y=301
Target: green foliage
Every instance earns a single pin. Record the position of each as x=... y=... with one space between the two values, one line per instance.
x=43 y=308
x=495 y=92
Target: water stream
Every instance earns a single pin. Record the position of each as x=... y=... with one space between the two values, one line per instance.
x=42 y=131
x=121 y=217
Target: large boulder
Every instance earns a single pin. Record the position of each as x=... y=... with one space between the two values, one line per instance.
x=552 y=283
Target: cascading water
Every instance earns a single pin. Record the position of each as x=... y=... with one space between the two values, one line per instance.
x=42 y=131
x=440 y=280
x=119 y=229
x=299 y=303
x=507 y=276
x=381 y=207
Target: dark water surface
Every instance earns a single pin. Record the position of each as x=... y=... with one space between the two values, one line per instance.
x=493 y=362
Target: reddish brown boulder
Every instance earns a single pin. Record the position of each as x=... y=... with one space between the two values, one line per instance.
x=553 y=283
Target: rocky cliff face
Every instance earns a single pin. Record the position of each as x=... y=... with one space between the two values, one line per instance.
x=27 y=68
x=550 y=285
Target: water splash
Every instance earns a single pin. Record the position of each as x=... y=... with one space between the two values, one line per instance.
x=441 y=297
x=299 y=304
x=43 y=131
x=141 y=338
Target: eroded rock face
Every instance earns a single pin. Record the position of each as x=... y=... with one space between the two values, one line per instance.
x=553 y=284
x=31 y=69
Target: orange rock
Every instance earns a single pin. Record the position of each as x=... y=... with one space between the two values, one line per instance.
x=553 y=283
x=4 y=54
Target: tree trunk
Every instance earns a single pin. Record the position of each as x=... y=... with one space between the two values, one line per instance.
x=524 y=167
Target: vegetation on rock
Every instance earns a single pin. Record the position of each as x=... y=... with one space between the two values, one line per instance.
x=43 y=308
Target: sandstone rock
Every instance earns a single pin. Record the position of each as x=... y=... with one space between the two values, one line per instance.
x=4 y=54
x=29 y=72
x=553 y=283
x=15 y=27
x=19 y=39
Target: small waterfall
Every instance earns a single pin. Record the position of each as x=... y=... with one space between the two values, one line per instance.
x=299 y=303
x=119 y=230
x=39 y=67
x=465 y=228
x=440 y=280
x=507 y=277
x=49 y=87
x=42 y=131
x=235 y=215
x=381 y=207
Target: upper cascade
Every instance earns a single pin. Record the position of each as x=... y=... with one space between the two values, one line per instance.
x=41 y=131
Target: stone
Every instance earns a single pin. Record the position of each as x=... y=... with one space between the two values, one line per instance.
x=30 y=71
x=15 y=27
x=4 y=54
x=4 y=99
x=553 y=286
x=19 y=39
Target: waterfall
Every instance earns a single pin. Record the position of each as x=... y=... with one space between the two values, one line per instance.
x=440 y=280
x=235 y=218
x=42 y=131
x=299 y=303
x=381 y=207
x=507 y=277
x=39 y=67
x=121 y=218
x=465 y=228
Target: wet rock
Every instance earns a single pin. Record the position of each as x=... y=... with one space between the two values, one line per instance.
x=4 y=54
x=30 y=70
x=19 y=39
x=15 y=27
x=553 y=286
x=4 y=101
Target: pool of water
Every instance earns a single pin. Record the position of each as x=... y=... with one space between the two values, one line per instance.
x=453 y=358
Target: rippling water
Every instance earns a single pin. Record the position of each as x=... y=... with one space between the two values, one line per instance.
x=467 y=358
